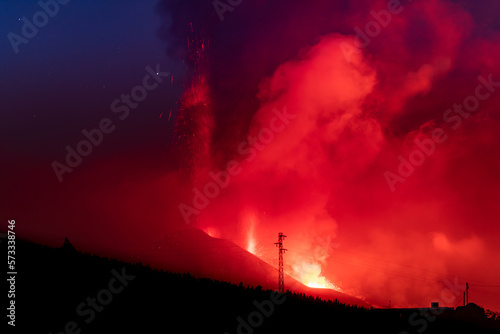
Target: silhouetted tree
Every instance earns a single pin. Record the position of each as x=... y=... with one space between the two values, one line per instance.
x=67 y=246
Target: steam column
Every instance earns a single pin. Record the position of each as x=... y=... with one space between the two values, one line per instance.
x=281 y=275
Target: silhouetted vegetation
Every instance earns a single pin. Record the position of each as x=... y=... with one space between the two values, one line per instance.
x=53 y=282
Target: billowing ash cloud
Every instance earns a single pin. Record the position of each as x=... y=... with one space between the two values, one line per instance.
x=376 y=154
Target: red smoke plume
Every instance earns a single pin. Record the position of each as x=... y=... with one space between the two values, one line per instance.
x=320 y=178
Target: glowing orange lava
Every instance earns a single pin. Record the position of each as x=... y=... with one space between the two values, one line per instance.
x=210 y=231
x=250 y=221
x=251 y=246
x=310 y=275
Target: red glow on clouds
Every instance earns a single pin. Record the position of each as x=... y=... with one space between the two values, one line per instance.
x=320 y=180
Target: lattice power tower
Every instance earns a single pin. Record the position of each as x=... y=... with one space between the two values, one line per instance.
x=281 y=275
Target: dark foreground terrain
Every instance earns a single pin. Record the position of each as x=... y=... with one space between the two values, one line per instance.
x=60 y=290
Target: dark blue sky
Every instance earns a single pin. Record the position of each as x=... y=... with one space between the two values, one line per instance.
x=64 y=79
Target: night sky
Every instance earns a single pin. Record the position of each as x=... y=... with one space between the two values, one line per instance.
x=329 y=179
x=64 y=81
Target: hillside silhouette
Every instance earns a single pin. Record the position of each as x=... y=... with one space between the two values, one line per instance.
x=61 y=290
x=192 y=250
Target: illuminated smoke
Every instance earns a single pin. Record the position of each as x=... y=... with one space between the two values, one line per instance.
x=320 y=181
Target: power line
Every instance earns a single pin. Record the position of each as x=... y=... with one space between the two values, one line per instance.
x=486 y=285
x=308 y=252
x=373 y=268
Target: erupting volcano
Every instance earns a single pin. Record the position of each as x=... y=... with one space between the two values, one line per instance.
x=253 y=159
x=341 y=144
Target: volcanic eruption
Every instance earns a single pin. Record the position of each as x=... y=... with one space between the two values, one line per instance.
x=281 y=130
